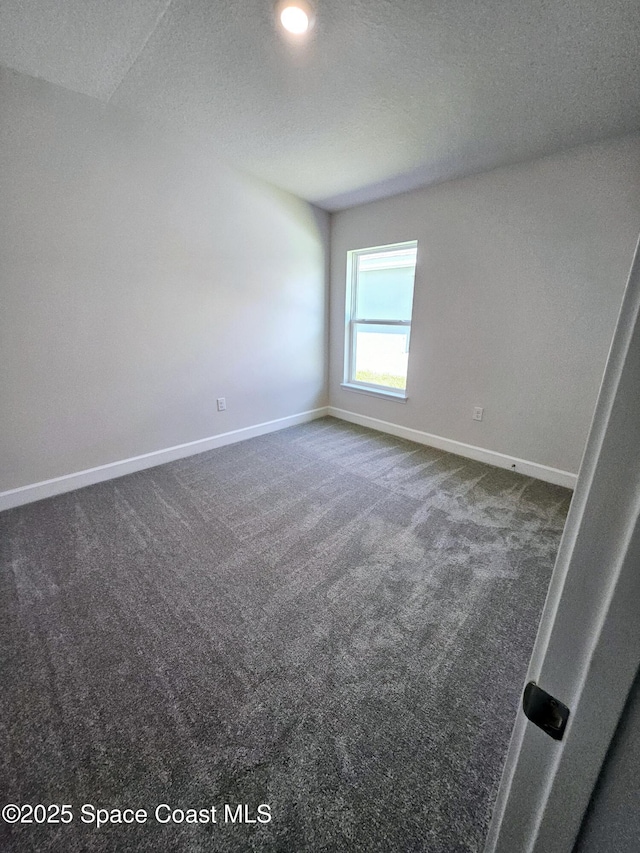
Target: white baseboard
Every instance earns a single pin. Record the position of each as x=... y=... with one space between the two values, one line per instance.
x=479 y=454
x=69 y=482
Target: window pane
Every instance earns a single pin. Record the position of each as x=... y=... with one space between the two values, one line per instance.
x=381 y=355
x=385 y=285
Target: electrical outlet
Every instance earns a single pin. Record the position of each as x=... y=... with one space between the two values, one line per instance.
x=222 y=404
x=478 y=412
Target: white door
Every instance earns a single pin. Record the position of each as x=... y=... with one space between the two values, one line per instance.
x=588 y=647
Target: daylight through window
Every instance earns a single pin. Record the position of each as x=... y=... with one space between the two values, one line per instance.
x=378 y=328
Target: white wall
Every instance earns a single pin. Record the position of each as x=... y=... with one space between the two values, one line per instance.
x=141 y=279
x=519 y=281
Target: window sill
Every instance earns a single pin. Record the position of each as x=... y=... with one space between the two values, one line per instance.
x=398 y=396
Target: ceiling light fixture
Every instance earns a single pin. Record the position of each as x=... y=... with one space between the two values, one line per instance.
x=296 y=16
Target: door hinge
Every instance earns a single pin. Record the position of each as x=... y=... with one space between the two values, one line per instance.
x=545 y=710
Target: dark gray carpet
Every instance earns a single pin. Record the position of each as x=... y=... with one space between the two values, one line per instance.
x=327 y=620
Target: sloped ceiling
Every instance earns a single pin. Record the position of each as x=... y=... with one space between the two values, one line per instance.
x=385 y=96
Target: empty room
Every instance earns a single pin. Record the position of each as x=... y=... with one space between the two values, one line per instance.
x=319 y=426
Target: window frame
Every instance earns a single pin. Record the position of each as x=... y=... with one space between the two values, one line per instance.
x=352 y=321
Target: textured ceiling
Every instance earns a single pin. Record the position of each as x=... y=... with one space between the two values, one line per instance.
x=384 y=97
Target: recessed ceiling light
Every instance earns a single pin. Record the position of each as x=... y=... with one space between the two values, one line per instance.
x=296 y=16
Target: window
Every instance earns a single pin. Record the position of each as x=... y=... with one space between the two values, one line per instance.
x=378 y=318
